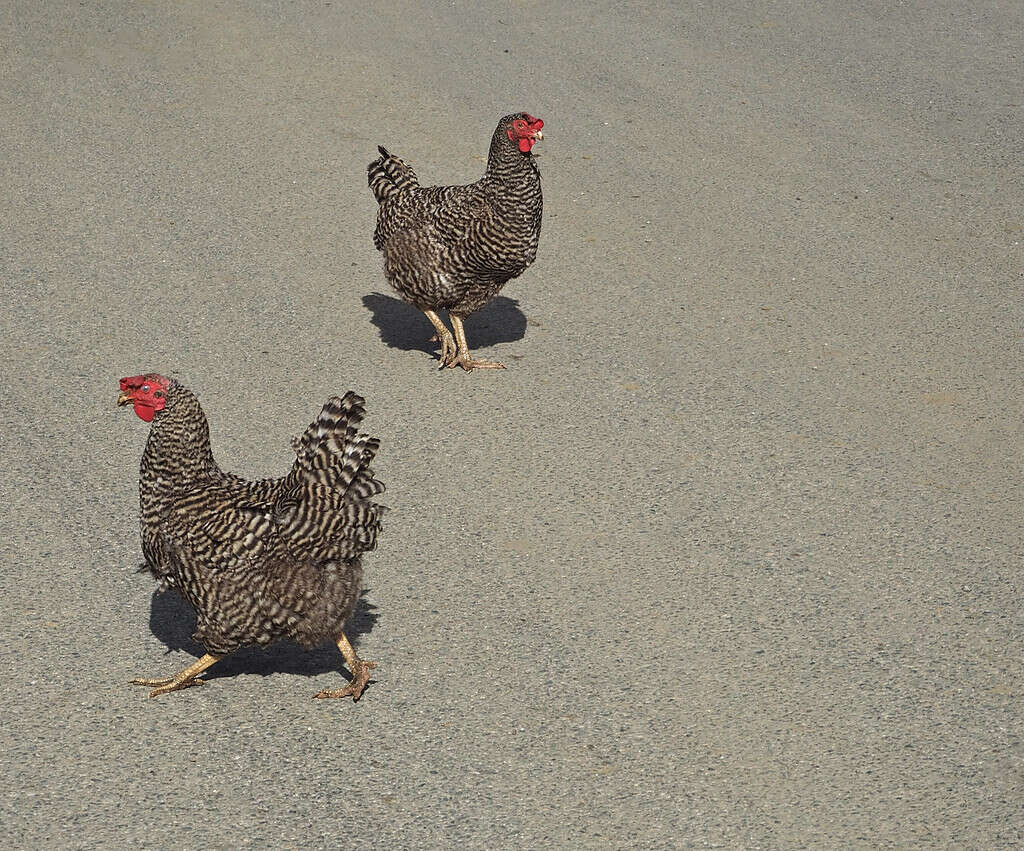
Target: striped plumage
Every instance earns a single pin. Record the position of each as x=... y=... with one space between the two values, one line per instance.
x=258 y=560
x=455 y=247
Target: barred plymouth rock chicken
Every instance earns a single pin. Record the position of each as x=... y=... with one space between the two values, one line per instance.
x=455 y=247
x=258 y=560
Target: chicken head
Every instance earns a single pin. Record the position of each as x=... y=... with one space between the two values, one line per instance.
x=147 y=393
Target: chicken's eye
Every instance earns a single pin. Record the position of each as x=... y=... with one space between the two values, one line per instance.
x=145 y=388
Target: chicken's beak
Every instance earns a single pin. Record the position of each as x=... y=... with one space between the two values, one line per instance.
x=124 y=399
x=538 y=135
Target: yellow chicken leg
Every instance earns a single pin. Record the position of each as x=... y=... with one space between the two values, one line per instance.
x=360 y=673
x=444 y=336
x=463 y=358
x=185 y=679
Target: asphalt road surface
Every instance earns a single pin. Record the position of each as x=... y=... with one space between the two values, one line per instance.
x=729 y=557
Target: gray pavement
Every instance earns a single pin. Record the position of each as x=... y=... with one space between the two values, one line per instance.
x=729 y=557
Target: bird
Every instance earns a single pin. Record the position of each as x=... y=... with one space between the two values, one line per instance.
x=264 y=560
x=454 y=247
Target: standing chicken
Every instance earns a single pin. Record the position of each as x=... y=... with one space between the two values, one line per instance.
x=454 y=247
x=258 y=561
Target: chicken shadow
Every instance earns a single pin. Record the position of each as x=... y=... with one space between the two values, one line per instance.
x=404 y=327
x=173 y=621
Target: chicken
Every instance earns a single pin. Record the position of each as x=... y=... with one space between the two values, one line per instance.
x=261 y=560
x=455 y=247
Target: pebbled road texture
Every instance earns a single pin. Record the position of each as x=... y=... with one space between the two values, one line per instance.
x=728 y=558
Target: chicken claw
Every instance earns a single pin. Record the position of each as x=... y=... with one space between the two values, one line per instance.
x=469 y=364
x=360 y=673
x=360 y=677
x=463 y=357
x=168 y=685
x=449 y=351
x=184 y=679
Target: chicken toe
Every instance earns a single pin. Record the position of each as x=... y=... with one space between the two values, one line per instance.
x=469 y=364
x=184 y=679
x=360 y=674
x=463 y=358
x=449 y=351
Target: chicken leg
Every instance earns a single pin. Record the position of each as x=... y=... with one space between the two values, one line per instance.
x=462 y=357
x=444 y=337
x=185 y=679
x=360 y=673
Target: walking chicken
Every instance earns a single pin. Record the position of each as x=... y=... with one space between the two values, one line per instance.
x=455 y=247
x=258 y=560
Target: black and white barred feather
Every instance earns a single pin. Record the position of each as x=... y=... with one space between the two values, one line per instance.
x=268 y=559
x=455 y=247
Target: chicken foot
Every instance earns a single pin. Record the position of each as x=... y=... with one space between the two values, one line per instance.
x=185 y=679
x=462 y=357
x=444 y=336
x=360 y=673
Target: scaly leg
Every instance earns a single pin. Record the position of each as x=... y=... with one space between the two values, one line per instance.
x=360 y=673
x=444 y=336
x=185 y=679
x=463 y=358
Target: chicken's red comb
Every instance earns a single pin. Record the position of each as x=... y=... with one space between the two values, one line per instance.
x=136 y=381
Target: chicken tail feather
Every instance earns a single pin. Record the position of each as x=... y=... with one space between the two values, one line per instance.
x=389 y=176
x=333 y=453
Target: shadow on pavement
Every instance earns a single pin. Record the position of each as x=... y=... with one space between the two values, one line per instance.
x=172 y=621
x=404 y=327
